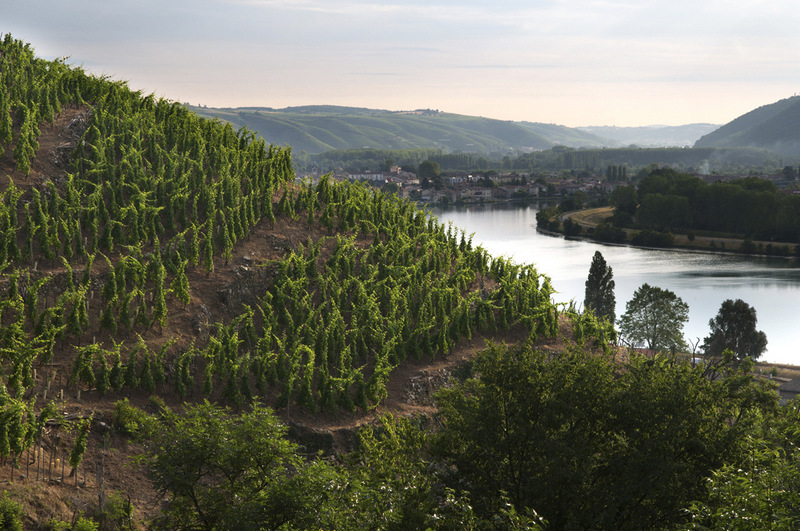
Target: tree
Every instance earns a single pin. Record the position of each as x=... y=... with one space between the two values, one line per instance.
x=599 y=297
x=429 y=173
x=625 y=202
x=655 y=317
x=589 y=444
x=734 y=328
x=232 y=472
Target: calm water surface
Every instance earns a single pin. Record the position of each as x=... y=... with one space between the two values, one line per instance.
x=702 y=280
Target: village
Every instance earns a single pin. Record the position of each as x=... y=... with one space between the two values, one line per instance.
x=459 y=187
x=467 y=188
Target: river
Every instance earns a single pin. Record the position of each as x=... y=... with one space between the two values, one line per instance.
x=702 y=280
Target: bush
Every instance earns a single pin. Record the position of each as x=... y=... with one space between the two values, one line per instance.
x=128 y=419
x=10 y=514
x=117 y=512
x=84 y=524
x=649 y=238
x=571 y=228
x=608 y=233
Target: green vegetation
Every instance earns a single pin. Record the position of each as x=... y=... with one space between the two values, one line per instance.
x=534 y=440
x=734 y=329
x=589 y=444
x=770 y=126
x=107 y=263
x=599 y=294
x=321 y=129
x=667 y=208
x=654 y=317
x=751 y=207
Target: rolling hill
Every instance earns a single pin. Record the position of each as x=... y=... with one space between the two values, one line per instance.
x=773 y=127
x=316 y=129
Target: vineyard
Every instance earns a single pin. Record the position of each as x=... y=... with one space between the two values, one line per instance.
x=110 y=240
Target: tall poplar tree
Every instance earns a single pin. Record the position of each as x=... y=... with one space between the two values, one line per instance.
x=599 y=295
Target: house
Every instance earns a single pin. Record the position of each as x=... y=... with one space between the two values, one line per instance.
x=477 y=194
x=368 y=176
x=431 y=195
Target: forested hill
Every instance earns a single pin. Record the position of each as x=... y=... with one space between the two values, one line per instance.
x=773 y=127
x=316 y=129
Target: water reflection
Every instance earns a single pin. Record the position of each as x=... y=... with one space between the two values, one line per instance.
x=703 y=280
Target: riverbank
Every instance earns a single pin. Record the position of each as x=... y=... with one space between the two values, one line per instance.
x=589 y=219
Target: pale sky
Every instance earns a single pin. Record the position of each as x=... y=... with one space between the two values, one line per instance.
x=570 y=62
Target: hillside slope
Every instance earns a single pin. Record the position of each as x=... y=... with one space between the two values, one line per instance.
x=316 y=129
x=150 y=255
x=773 y=127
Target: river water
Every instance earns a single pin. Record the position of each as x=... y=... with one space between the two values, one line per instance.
x=702 y=280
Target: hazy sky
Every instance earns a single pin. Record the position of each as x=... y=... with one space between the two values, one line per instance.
x=571 y=62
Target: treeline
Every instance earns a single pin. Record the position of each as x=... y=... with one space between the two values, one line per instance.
x=558 y=158
x=356 y=160
x=752 y=208
x=595 y=159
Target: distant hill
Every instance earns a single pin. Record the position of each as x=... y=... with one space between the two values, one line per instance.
x=652 y=135
x=320 y=128
x=775 y=127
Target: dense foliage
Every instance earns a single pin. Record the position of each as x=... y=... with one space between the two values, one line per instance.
x=750 y=207
x=93 y=258
x=654 y=317
x=589 y=444
x=734 y=329
x=531 y=440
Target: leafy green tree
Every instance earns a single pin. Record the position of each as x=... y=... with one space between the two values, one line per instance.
x=229 y=472
x=625 y=201
x=588 y=444
x=599 y=293
x=761 y=490
x=734 y=328
x=654 y=317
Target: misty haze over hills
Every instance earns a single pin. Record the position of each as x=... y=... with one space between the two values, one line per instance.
x=652 y=135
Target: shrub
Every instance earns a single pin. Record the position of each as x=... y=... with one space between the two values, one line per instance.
x=117 y=512
x=649 y=238
x=128 y=419
x=10 y=514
